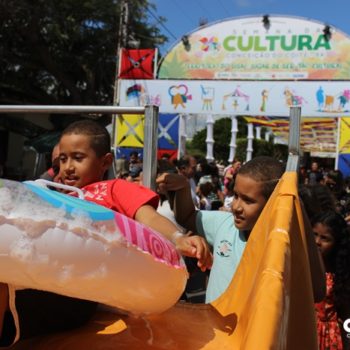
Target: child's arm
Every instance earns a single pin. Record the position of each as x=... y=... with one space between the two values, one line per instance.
x=192 y=246
x=184 y=209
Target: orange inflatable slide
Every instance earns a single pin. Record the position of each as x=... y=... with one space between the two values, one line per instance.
x=268 y=305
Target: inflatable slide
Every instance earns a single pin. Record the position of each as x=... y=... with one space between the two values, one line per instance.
x=58 y=243
x=268 y=305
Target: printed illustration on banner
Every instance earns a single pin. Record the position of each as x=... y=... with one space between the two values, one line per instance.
x=179 y=95
x=239 y=100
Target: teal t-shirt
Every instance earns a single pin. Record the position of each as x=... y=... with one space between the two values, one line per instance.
x=228 y=245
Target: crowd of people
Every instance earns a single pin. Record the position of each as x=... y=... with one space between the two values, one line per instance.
x=200 y=205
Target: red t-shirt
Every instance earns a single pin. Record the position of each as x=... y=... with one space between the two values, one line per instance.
x=120 y=195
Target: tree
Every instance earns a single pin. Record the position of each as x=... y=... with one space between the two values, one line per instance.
x=64 y=52
x=222 y=137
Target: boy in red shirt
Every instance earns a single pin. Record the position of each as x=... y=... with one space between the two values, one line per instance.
x=84 y=159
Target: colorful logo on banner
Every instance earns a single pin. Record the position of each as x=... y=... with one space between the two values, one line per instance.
x=129 y=130
x=210 y=44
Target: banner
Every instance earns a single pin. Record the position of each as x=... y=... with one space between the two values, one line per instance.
x=285 y=48
x=247 y=98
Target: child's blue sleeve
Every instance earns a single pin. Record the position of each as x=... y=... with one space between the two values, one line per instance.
x=208 y=223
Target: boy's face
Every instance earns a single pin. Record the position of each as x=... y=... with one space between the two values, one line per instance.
x=248 y=202
x=79 y=163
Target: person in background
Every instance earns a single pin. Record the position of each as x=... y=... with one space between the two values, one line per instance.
x=334 y=180
x=206 y=194
x=121 y=167
x=52 y=173
x=186 y=166
x=302 y=177
x=314 y=175
x=231 y=172
x=332 y=237
x=229 y=197
x=316 y=199
x=210 y=174
x=135 y=167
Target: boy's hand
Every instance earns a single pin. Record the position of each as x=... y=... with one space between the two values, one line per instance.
x=195 y=247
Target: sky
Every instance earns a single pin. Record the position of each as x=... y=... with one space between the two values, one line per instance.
x=183 y=16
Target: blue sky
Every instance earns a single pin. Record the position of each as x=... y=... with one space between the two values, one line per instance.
x=183 y=16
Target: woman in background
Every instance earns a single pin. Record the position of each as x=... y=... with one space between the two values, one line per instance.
x=333 y=240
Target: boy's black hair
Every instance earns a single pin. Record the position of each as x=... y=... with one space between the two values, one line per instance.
x=183 y=162
x=263 y=169
x=99 y=136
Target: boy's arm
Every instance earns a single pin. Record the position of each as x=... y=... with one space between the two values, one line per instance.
x=192 y=246
x=183 y=206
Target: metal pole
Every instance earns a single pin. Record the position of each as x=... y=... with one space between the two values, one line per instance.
x=150 y=134
x=150 y=142
x=71 y=109
x=294 y=139
x=337 y=153
x=121 y=43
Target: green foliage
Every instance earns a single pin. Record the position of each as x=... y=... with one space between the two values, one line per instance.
x=64 y=52
x=191 y=149
x=261 y=148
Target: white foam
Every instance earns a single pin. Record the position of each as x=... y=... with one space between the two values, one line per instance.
x=23 y=250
